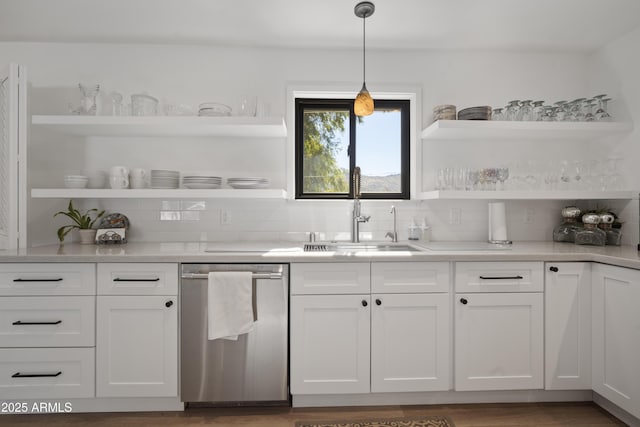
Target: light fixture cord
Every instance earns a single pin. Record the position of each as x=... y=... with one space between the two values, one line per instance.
x=364 y=50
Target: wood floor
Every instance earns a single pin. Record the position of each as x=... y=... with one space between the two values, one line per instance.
x=583 y=414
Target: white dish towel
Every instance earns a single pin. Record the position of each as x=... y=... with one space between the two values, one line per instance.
x=230 y=304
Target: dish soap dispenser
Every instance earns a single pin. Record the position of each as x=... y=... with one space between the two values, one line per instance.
x=425 y=231
x=414 y=230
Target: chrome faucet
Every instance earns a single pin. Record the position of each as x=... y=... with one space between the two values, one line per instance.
x=357 y=217
x=393 y=234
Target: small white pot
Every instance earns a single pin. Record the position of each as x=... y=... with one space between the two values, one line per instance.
x=87 y=236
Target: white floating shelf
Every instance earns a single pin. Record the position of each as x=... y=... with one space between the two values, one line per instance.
x=522 y=131
x=528 y=195
x=83 y=193
x=266 y=127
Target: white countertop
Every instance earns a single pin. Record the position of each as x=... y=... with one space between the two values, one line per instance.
x=268 y=252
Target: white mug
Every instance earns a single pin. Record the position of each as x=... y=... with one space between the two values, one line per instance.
x=119 y=177
x=138 y=178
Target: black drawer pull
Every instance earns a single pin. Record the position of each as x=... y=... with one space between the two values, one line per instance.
x=117 y=279
x=19 y=375
x=20 y=322
x=168 y=304
x=554 y=269
x=500 y=277
x=59 y=279
x=464 y=301
x=378 y=302
x=364 y=303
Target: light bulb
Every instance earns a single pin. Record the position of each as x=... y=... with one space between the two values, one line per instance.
x=363 y=105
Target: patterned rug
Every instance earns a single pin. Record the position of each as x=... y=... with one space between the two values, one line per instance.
x=393 y=422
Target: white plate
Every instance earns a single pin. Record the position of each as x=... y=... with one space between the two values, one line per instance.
x=239 y=185
x=195 y=186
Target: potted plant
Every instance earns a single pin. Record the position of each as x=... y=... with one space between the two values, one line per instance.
x=83 y=222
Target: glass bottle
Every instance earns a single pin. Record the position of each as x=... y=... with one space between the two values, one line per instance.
x=565 y=232
x=614 y=235
x=591 y=234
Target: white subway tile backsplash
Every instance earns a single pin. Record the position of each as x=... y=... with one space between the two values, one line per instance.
x=184 y=220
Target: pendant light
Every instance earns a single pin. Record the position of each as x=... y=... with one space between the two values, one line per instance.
x=363 y=105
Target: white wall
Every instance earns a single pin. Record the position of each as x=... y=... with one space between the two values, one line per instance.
x=615 y=69
x=194 y=74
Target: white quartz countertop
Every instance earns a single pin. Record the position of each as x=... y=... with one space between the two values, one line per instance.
x=267 y=252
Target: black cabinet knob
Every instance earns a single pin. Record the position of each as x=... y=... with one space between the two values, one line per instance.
x=463 y=301
x=364 y=303
x=554 y=269
x=168 y=304
x=378 y=302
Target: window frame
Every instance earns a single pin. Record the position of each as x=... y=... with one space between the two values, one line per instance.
x=404 y=105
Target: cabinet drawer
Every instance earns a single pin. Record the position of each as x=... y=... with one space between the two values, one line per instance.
x=409 y=277
x=499 y=277
x=47 y=321
x=330 y=278
x=137 y=279
x=47 y=279
x=47 y=373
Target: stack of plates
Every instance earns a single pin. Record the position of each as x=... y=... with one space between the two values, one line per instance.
x=475 y=113
x=444 y=112
x=164 y=178
x=248 y=182
x=201 y=181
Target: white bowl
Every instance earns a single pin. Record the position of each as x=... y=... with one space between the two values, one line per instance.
x=76 y=184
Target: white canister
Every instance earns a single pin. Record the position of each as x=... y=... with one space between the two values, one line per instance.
x=119 y=177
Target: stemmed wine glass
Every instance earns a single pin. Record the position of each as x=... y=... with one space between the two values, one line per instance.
x=502 y=173
x=601 y=112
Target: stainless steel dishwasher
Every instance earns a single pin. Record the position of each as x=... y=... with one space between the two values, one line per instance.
x=251 y=370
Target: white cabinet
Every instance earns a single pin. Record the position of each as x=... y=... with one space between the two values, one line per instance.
x=616 y=335
x=329 y=344
x=388 y=341
x=568 y=326
x=137 y=331
x=136 y=346
x=47 y=330
x=410 y=342
x=498 y=335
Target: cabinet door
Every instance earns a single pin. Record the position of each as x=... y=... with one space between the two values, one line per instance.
x=568 y=326
x=410 y=342
x=137 y=346
x=330 y=344
x=13 y=157
x=616 y=335
x=498 y=341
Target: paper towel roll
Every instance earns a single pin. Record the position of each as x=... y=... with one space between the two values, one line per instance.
x=497 y=222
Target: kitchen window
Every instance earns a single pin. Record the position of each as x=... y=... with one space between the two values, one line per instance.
x=330 y=141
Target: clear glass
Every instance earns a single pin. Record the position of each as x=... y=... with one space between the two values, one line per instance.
x=613 y=235
x=537 y=111
x=497 y=114
x=502 y=174
x=525 y=111
x=566 y=232
x=88 y=104
x=601 y=114
x=590 y=235
x=511 y=110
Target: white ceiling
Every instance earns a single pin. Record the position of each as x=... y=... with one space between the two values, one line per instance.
x=548 y=25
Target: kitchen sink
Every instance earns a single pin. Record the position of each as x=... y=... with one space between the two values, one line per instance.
x=359 y=247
